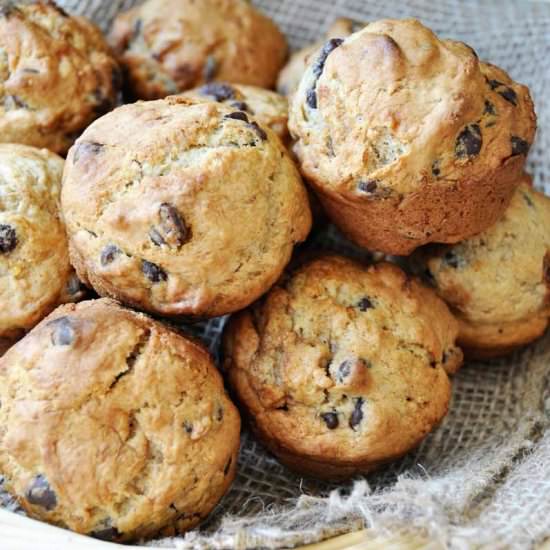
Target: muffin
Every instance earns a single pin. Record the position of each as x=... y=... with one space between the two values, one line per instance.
x=342 y=368
x=182 y=208
x=35 y=274
x=267 y=107
x=57 y=74
x=498 y=282
x=292 y=72
x=143 y=440
x=168 y=46
x=409 y=145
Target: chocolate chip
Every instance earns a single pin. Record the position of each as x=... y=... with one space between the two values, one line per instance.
x=436 y=171
x=238 y=116
x=469 y=141
x=41 y=494
x=107 y=534
x=227 y=466
x=240 y=105
x=188 y=427
x=8 y=238
x=109 y=254
x=172 y=229
x=220 y=92
x=153 y=272
x=259 y=131
x=219 y=414
x=344 y=370
x=357 y=414
x=489 y=108
x=87 y=148
x=364 y=304
x=63 y=333
x=317 y=69
x=519 y=146
x=368 y=186
x=505 y=91
x=210 y=68
x=331 y=420
x=452 y=260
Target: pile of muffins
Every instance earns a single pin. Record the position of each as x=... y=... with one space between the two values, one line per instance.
x=188 y=202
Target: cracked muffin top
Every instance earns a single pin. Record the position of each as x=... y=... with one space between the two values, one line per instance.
x=267 y=107
x=168 y=46
x=113 y=425
x=343 y=367
x=35 y=274
x=409 y=138
x=57 y=74
x=182 y=208
x=498 y=282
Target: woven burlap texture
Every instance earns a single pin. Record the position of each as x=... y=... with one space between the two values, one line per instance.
x=483 y=477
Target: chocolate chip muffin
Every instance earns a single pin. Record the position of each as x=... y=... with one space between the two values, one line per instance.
x=57 y=74
x=182 y=208
x=341 y=367
x=292 y=72
x=168 y=46
x=35 y=274
x=408 y=145
x=143 y=440
x=498 y=282
x=267 y=107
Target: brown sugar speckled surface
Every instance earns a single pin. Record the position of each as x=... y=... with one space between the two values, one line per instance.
x=113 y=425
x=57 y=74
x=168 y=46
x=498 y=282
x=409 y=139
x=182 y=208
x=341 y=367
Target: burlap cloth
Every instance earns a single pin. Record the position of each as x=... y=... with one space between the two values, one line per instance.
x=483 y=477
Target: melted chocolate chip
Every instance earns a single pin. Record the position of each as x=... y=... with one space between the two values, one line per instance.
x=210 y=68
x=436 y=170
x=107 y=534
x=153 y=272
x=368 y=186
x=469 y=141
x=188 y=427
x=357 y=414
x=41 y=494
x=489 y=108
x=8 y=238
x=238 y=115
x=330 y=419
x=172 y=229
x=86 y=148
x=63 y=333
x=519 y=146
x=505 y=91
x=364 y=304
x=259 y=131
x=240 y=105
x=317 y=69
x=109 y=254
x=220 y=92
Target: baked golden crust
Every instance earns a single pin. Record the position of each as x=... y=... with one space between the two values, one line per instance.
x=113 y=425
x=168 y=46
x=179 y=208
x=342 y=368
x=498 y=282
x=35 y=274
x=292 y=72
x=57 y=74
x=409 y=145
x=267 y=107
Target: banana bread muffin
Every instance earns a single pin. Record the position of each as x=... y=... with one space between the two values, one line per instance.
x=35 y=274
x=498 y=282
x=292 y=72
x=342 y=368
x=57 y=74
x=267 y=107
x=408 y=145
x=113 y=425
x=168 y=46
x=182 y=208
